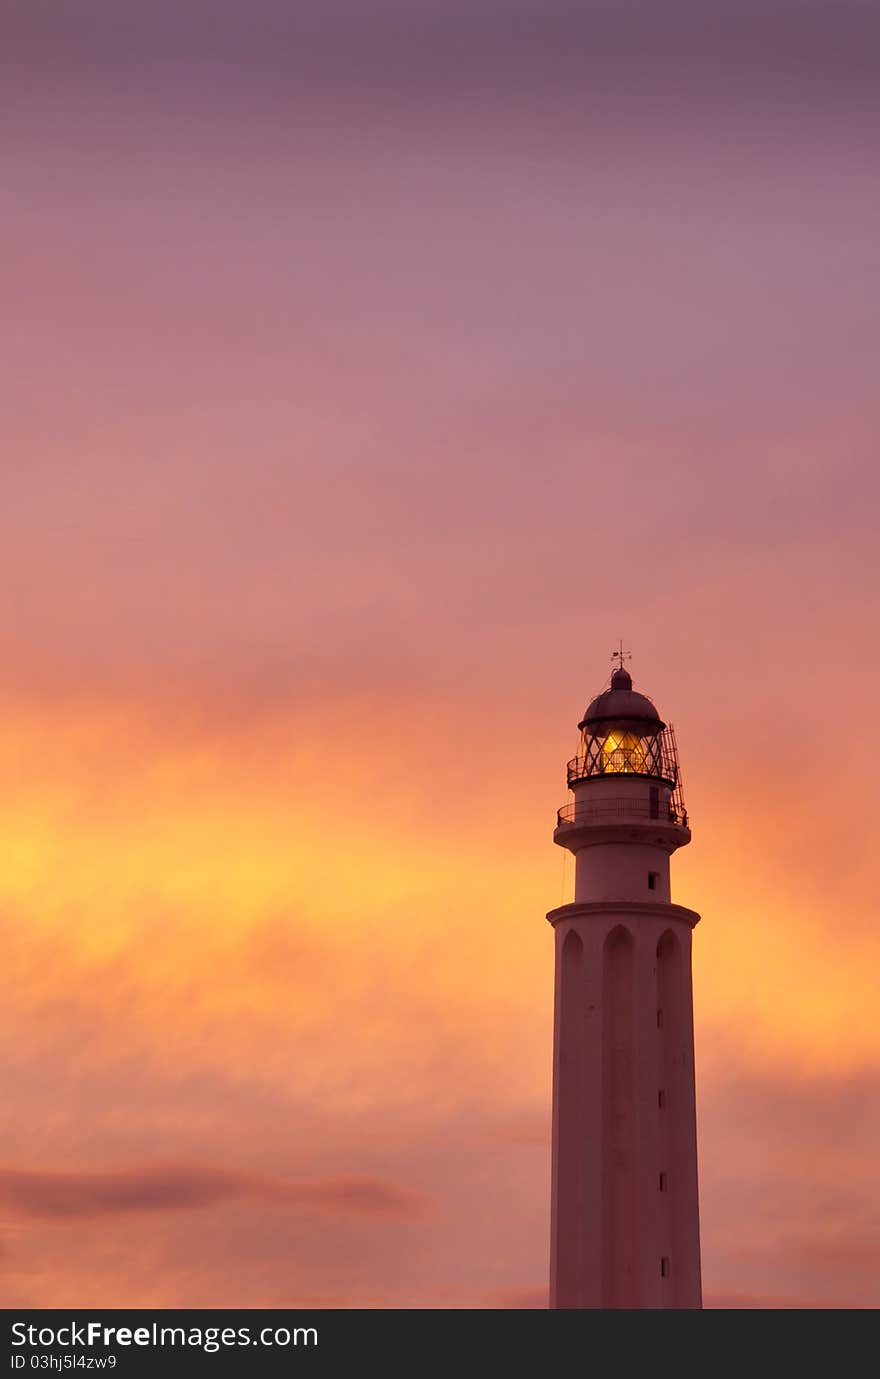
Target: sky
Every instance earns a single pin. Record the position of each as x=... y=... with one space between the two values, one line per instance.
x=369 y=371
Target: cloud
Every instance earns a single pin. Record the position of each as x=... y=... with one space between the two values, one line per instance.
x=184 y=1187
x=361 y=1196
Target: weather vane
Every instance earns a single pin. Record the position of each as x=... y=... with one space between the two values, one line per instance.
x=621 y=655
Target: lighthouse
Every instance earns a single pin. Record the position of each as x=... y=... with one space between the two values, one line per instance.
x=625 y=1215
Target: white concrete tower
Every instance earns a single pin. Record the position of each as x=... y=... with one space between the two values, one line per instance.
x=625 y=1218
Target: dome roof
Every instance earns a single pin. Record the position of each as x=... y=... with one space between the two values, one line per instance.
x=622 y=702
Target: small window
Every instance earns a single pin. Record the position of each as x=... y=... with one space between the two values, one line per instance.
x=661 y=1098
x=664 y=1183
x=659 y=1019
x=653 y=878
x=664 y=1267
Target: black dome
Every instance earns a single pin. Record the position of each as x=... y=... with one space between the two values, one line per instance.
x=621 y=703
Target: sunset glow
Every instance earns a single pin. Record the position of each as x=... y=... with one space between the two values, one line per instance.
x=328 y=365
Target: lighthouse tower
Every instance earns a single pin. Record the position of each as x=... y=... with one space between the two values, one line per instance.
x=625 y=1219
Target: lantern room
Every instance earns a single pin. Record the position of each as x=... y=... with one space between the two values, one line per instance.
x=622 y=734
x=625 y=778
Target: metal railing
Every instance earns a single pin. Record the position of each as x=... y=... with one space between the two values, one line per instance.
x=623 y=754
x=664 y=811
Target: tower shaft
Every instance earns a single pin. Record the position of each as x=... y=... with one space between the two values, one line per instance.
x=625 y=1215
